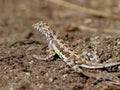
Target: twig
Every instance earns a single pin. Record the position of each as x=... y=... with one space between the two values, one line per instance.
x=72 y=27
x=12 y=56
x=104 y=76
x=85 y=28
x=85 y=10
x=24 y=42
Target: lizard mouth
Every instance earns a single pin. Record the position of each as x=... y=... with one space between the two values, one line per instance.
x=35 y=26
x=40 y=29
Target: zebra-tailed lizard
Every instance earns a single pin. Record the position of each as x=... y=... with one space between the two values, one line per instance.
x=66 y=53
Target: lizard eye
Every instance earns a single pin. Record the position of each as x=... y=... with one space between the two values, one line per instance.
x=39 y=25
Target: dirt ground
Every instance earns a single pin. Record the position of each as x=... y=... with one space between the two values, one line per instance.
x=19 y=70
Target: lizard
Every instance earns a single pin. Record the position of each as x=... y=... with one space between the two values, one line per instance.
x=69 y=56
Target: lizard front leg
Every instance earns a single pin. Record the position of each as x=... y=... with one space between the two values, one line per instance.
x=48 y=57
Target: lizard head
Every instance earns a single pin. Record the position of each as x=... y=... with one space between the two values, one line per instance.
x=44 y=28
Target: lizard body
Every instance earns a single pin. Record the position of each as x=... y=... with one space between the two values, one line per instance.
x=65 y=52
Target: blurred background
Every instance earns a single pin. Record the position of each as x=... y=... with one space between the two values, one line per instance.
x=17 y=16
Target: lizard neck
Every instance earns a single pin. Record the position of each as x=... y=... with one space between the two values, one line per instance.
x=51 y=35
x=63 y=49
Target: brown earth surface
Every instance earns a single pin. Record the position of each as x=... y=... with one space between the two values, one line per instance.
x=19 y=70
